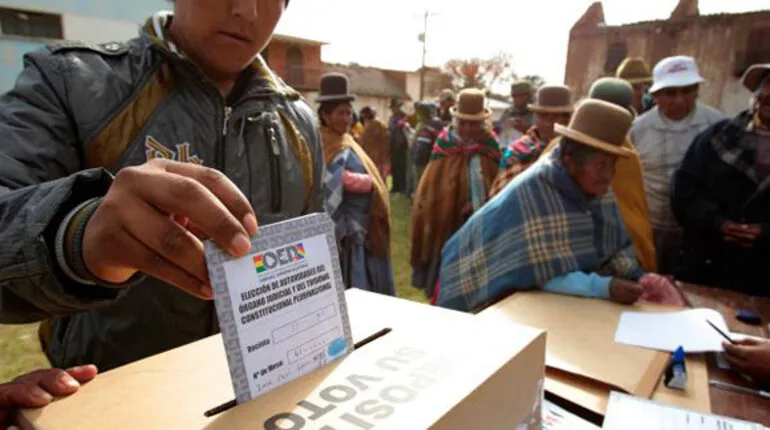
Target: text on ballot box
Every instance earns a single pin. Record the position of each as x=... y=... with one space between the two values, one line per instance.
x=281 y=308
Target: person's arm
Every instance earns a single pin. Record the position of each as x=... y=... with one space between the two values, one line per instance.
x=40 y=184
x=580 y=284
x=690 y=202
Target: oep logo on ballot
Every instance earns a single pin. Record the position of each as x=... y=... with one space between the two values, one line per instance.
x=279 y=257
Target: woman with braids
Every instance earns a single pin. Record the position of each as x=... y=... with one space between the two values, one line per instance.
x=354 y=193
x=455 y=184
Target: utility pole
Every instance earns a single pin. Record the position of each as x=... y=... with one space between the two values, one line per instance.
x=424 y=40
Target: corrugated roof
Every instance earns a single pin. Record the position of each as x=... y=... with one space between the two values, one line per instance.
x=369 y=81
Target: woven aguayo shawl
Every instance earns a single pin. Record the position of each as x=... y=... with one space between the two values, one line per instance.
x=444 y=191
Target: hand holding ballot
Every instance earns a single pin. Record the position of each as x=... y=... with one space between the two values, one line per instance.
x=39 y=388
x=750 y=356
x=134 y=227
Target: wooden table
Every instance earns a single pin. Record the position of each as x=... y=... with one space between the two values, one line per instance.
x=728 y=403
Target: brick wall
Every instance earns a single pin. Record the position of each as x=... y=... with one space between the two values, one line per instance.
x=303 y=76
x=717 y=42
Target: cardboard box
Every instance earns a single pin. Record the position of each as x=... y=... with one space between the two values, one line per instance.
x=584 y=363
x=435 y=369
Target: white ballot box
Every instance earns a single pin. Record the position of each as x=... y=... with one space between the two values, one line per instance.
x=434 y=368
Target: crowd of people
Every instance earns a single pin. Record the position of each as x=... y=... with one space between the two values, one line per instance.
x=114 y=173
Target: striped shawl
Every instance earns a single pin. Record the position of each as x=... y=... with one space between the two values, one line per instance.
x=538 y=228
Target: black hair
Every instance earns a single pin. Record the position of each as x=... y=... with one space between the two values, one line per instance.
x=577 y=151
x=328 y=107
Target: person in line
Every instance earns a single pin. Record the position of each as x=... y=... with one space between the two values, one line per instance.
x=519 y=118
x=628 y=182
x=455 y=184
x=356 y=197
x=39 y=388
x=399 y=145
x=662 y=137
x=636 y=72
x=556 y=227
x=554 y=106
x=375 y=140
x=446 y=103
x=356 y=127
x=422 y=143
x=721 y=198
x=112 y=174
x=750 y=357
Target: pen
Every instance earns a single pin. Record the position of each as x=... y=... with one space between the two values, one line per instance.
x=739 y=389
x=721 y=332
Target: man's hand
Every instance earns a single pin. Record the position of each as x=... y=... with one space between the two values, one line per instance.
x=39 y=388
x=750 y=356
x=134 y=228
x=625 y=292
x=741 y=234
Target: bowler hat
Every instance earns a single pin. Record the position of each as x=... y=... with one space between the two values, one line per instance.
x=601 y=125
x=470 y=106
x=521 y=88
x=553 y=99
x=614 y=90
x=755 y=75
x=447 y=95
x=334 y=87
x=634 y=70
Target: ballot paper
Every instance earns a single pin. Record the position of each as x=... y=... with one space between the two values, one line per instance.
x=557 y=418
x=668 y=331
x=282 y=308
x=626 y=412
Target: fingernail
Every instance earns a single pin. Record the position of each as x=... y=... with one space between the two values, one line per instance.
x=39 y=394
x=66 y=379
x=250 y=222
x=206 y=290
x=241 y=245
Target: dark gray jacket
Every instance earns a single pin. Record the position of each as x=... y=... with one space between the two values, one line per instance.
x=80 y=113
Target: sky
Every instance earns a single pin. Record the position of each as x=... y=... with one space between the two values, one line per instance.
x=534 y=32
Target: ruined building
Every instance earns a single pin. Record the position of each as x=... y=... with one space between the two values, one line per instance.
x=724 y=46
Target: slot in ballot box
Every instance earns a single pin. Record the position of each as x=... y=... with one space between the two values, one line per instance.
x=436 y=368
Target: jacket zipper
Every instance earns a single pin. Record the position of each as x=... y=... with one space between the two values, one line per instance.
x=274 y=155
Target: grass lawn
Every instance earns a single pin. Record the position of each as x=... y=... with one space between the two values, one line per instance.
x=20 y=350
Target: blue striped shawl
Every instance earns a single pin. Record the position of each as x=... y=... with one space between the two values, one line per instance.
x=541 y=226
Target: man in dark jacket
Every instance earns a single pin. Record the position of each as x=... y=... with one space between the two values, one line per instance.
x=399 y=145
x=428 y=130
x=721 y=197
x=118 y=159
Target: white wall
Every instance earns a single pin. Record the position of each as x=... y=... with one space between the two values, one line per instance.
x=735 y=98
x=98 y=30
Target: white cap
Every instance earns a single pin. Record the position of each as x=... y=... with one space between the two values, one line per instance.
x=672 y=72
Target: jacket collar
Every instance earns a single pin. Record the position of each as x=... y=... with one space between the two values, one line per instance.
x=263 y=83
x=697 y=119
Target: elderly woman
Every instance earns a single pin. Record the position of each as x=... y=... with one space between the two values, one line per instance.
x=556 y=227
x=455 y=184
x=721 y=198
x=355 y=194
x=554 y=106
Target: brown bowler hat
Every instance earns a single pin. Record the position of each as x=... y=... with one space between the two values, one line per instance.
x=601 y=125
x=470 y=106
x=553 y=99
x=755 y=75
x=634 y=70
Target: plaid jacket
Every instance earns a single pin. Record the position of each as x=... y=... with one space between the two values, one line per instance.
x=538 y=228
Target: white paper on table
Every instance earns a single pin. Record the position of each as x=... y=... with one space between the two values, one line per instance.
x=626 y=412
x=556 y=418
x=668 y=331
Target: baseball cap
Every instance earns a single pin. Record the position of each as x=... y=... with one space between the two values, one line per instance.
x=672 y=72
